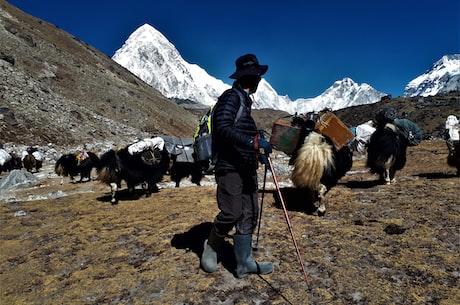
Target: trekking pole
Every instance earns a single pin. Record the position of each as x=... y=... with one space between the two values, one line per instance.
x=256 y=245
x=307 y=281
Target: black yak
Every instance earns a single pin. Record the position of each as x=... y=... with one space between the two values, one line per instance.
x=146 y=168
x=8 y=161
x=387 y=147
x=183 y=162
x=73 y=165
x=32 y=159
x=386 y=153
x=180 y=170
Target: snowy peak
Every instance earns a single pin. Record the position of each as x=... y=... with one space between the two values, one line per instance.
x=267 y=98
x=150 y=56
x=442 y=77
x=349 y=92
x=342 y=94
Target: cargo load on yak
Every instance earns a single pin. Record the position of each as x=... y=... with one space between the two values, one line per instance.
x=363 y=133
x=289 y=130
x=146 y=144
x=148 y=148
x=409 y=130
x=286 y=134
x=182 y=160
x=406 y=128
x=202 y=139
x=332 y=127
x=34 y=152
x=179 y=148
x=4 y=156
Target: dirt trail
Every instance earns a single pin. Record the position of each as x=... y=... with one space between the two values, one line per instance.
x=377 y=244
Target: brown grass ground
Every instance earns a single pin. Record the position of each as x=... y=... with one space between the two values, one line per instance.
x=79 y=249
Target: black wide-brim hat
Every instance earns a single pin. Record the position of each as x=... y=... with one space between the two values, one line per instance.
x=248 y=65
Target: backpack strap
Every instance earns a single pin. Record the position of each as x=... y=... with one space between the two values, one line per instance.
x=240 y=110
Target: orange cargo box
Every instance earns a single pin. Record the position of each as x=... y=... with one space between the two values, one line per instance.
x=284 y=136
x=332 y=127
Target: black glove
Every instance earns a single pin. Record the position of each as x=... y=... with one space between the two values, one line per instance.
x=265 y=148
x=263 y=159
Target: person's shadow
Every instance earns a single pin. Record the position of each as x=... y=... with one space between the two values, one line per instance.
x=193 y=240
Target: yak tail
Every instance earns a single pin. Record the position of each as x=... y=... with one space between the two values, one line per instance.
x=59 y=170
x=106 y=167
x=313 y=158
x=106 y=175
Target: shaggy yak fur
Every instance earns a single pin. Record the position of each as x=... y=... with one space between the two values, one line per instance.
x=181 y=170
x=30 y=163
x=386 y=153
x=11 y=164
x=70 y=165
x=454 y=159
x=142 y=168
x=319 y=166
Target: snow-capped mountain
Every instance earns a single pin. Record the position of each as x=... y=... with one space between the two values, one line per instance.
x=266 y=97
x=342 y=94
x=442 y=77
x=150 y=56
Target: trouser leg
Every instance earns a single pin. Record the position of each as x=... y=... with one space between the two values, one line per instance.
x=237 y=202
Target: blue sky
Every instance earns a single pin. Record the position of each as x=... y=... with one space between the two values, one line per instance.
x=307 y=44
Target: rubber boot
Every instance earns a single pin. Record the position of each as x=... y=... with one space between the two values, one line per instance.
x=210 y=248
x=245 y=263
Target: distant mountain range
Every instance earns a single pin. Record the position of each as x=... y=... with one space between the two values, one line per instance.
x=442 y=77
x=149 y=55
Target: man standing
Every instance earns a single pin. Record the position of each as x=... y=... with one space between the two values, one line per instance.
x=237 y=149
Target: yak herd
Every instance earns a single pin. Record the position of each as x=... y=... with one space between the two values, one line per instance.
x=318 y=164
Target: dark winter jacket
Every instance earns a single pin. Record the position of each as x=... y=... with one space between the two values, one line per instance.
x=230 y=140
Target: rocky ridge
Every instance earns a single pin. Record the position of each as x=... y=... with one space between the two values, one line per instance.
x=57 y=89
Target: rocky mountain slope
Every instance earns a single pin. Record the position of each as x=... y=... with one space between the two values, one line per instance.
x=429 y=112
x=57 y=89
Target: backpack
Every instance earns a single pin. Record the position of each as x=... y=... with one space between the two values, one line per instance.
x=202 y=139
x=409 y=130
